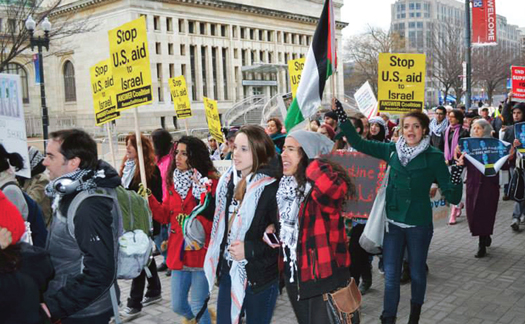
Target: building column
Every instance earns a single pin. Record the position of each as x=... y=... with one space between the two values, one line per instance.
x=220 y=72
x=209 y=73
x=198 y=73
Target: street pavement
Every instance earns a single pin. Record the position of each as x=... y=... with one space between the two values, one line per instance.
x=461 y=289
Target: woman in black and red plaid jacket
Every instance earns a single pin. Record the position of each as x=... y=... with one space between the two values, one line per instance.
x=312 y=232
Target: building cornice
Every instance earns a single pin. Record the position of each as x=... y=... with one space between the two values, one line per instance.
x=225 y=5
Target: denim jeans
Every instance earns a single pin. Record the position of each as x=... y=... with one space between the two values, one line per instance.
x=158 y=239
x=258 y=307
x=417 y=242
x=181 y=283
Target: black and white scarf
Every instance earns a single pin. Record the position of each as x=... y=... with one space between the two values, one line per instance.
x=438 y=129
x=85 y=183
x=408 y=153
x=184 y=180
x=128 y=173
x=289 y=204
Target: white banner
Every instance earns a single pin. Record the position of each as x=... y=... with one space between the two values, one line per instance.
x=12 y=123
x=366 y=100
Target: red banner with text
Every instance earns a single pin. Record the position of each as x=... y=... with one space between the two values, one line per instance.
x=484 y=22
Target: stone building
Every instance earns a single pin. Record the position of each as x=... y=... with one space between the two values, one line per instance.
x=227 y=50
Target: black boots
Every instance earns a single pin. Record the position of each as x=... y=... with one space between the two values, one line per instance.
x=484 y=242
x=415 y=312
x=388 y=320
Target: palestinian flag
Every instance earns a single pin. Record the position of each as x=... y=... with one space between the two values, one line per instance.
x=321 y=62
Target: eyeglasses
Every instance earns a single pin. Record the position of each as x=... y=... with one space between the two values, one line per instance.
x=440 y=114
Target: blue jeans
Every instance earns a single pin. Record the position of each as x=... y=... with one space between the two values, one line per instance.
x=417 y=241
x=258 y=307
x=181 y=282
x=158 y=239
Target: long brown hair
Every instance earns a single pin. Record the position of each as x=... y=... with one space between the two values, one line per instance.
x=198 y=158
x=262 y=148
x=149 y=158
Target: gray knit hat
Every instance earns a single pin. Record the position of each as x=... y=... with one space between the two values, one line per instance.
x=313 y=143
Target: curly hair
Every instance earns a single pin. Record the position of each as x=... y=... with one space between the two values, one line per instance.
x=149 y=158
x=198 y=158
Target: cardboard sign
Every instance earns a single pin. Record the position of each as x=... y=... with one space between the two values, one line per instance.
x=401 y=82
x=295 y=69
x=366 y=100
x=440 y=207
x=103 y=90
x=518 y=83
x=129 y=55
x=484 y=22
x=367 y=173
x=181 y=100
x=12 y=122
x=212 y=117
x=487 y=154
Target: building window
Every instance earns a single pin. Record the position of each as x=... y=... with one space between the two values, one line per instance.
x=214 y=72
x=159 y=72
x=203 y=65
x=172 y=70
x=15 y=68
x=160 y=94
x=181 y=26
x=182 y=49
x=234 y=30
x=223 y=30
x=169 y=24
x=170 y=48
x=243 y=57
x=202 y=28
x=235 y=53
x=191 y=27
x=192 y=71
x=270 y=35
x=69 y=82
x=225 y=72
x=213 y=30
x=261 y=35
x=243 y=33
x=158 y=49
x=156 y=22
x=252 y=34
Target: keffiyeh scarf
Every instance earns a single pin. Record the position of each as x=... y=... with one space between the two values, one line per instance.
x=438 y=129
x=240 y=225
x=128 y=173
x=184 y=180
x=289 y=204
x=408 y=153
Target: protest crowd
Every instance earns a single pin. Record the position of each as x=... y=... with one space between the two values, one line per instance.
x=282 y=213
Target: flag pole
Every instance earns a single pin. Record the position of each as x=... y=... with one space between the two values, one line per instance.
x=110 y=138
x=139 y=149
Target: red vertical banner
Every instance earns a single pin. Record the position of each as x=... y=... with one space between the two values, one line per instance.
x=484 y=22
x=518 y=83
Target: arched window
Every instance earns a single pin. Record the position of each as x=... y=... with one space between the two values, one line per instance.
x=15 y=68
x=69 y=82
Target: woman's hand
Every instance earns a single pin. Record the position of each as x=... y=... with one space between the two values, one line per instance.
x=516 y=143
x=461 y=160
x=237 y=250
x=5 y=238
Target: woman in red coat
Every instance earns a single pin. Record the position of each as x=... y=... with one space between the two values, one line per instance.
x=193 y=175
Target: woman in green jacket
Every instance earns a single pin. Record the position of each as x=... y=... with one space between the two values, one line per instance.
x=414 y=165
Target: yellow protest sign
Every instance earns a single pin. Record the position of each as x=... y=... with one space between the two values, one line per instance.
x=179 y=93
x=128 y=47
x=102 y=87
x=401 y=82
x=295 y=68
x=212 y=116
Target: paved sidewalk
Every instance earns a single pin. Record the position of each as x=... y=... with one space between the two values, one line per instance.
x=461 y=289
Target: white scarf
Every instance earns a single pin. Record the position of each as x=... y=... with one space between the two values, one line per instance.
x=128 y=173
x=240 y=225
x=289 y=203
x=184 y=180
x=437 y=129
x=408 y=153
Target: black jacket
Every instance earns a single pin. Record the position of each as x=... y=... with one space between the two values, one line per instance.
x=262 y=267
x=93 y=219
x=21 y=290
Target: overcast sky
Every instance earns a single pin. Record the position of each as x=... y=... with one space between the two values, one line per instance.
x=360 y=13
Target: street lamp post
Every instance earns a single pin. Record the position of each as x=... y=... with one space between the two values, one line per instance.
x=41 y=42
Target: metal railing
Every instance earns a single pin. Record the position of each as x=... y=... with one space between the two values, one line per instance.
x=275 y=107
x=242 y=111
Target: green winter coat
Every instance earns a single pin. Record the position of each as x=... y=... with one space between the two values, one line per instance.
x=407 y=193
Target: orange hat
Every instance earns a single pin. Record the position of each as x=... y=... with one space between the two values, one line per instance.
x=11 y=219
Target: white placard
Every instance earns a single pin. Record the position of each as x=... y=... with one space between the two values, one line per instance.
x=366 y=100
x=222 y=165
x=12 y=123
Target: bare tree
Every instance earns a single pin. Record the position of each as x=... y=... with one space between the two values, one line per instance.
x=491 y=67
x=445 y=58
x=363 y=50
x=14 y=38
